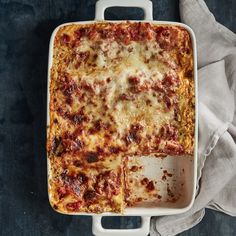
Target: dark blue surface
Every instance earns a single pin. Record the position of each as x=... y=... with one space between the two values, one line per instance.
x=25 y=28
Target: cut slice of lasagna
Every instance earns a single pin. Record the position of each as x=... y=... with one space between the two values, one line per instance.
x=117 y=90
x=85 y=184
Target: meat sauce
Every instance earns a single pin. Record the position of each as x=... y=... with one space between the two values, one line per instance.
x=166 y=36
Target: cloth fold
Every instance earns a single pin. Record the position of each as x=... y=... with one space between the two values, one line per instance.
x=216 y=186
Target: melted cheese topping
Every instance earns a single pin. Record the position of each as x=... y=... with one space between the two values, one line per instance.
x=116 y=90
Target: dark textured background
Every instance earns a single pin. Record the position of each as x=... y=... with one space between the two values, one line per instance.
x=25 y=28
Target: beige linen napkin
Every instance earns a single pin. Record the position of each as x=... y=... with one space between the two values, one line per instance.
x=216 y=188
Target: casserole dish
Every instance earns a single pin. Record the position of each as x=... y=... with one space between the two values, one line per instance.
x=183 y=168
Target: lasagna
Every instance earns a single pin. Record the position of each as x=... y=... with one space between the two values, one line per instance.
x=116 y=90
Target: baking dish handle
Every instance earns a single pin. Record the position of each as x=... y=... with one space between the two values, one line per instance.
x=98 y=230
x=101 y=6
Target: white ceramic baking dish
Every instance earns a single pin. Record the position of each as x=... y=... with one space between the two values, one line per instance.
x=176 y=164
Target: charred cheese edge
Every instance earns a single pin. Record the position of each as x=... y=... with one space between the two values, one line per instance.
x=116 y=90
